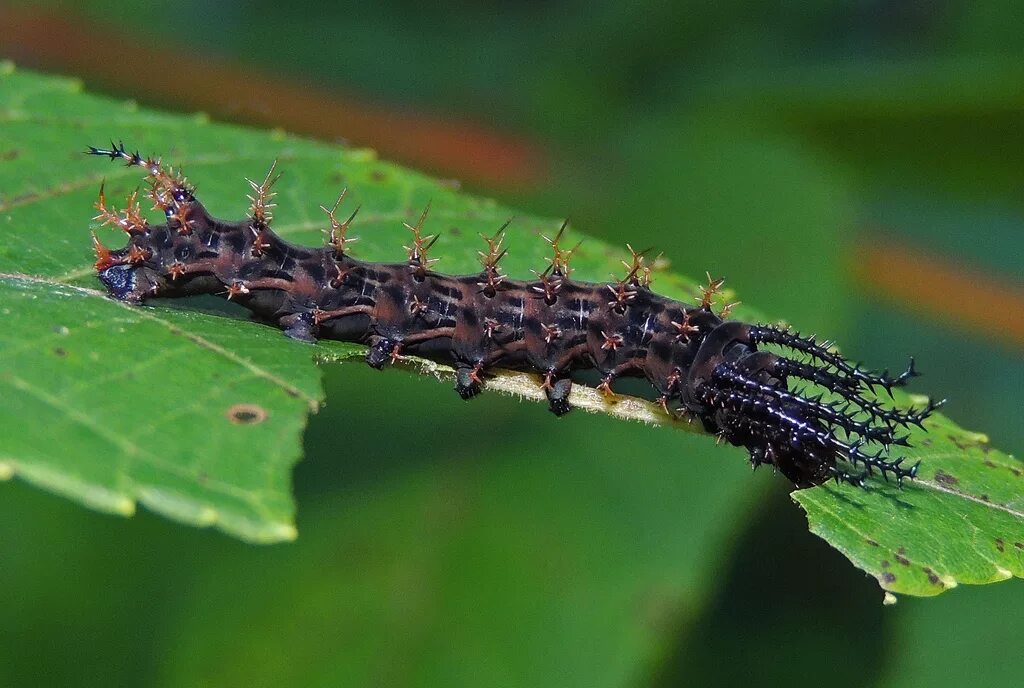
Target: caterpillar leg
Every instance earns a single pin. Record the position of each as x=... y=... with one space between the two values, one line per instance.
x=300 y=326
x=610 y=375
x=382 y=351
x=557 y=390
x=467 y=381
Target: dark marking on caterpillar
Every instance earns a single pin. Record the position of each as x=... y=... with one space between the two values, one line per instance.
x=698 y=361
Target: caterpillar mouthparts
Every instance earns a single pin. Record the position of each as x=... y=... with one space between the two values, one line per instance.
x=697 y=361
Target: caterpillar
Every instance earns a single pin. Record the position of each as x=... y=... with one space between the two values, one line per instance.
x=741 y=380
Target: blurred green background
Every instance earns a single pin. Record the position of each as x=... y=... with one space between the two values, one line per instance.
x=788 y=148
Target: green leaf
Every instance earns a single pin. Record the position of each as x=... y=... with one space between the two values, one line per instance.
x=110 y=404
x=960 y=521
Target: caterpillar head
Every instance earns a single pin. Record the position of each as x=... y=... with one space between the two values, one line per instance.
x=121 y=282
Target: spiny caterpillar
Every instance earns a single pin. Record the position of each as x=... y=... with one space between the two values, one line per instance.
x=701 y=363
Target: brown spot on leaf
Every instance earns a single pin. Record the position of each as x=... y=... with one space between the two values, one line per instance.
x=932 y=577
x=989 y=464
x=901 y=557
x=985 y=498
x=59 y=352
x=871 y=542
x=378 y=175
x=1019 y=545
x=888 y=577
x=455 y=231
x=1000 y=544
x=945 y=479
x=246 y=414
x=1017 y=472
x=885 y=564
x=964 y=444
x=11 y=154
x=926 y=442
